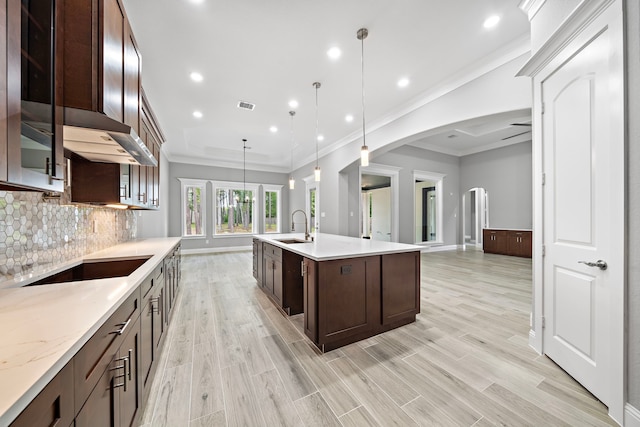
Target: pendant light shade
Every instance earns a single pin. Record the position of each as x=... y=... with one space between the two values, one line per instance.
x=316 y=172
x=364 y=150
x=292 y=181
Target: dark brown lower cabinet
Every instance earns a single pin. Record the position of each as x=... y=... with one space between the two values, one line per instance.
x=53 y=406
x=507 y=242
x=116 y=398
x=351 y=299
x=151 y=330
x=281 y=278
x=400 y=295
x=106 y=382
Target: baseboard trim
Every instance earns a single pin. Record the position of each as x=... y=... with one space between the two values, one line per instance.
x=631 y=416
x=441 y=248
x=215 y=250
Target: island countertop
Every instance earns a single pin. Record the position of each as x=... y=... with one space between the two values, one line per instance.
x=327 y=247
x=45 y=326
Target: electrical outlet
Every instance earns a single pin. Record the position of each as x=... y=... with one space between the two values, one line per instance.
x=206 y=242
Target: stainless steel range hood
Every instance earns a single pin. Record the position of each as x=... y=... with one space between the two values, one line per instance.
x=99 y=138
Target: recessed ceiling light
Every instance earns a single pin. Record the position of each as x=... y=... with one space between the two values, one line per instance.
x=403 y=82
x=197 y=1
x=320 y=137
x=197 y=114
x=293 y=103
x=196 y=77
x=491 y=21
x=349 y=118
x=273 y=129
x=334 y=53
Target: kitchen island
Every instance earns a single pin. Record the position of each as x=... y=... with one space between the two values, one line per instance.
x=349 y=289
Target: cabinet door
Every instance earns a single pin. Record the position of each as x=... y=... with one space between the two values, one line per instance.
x=113 y=38
x=268 y=274
x=128 y=386
x=54 y=404
x=100 y=408
x=3 y=91
x=348 y=298
x=146 y=343
x=277 y=282
x=310 y=298
x=400 y=287
x=34 y=150
x=132 y=73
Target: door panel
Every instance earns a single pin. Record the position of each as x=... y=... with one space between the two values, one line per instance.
x=574 y=312
x=574 y=198
x=577 y=212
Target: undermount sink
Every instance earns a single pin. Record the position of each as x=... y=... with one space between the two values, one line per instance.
x=289 y=241
x=95 y=269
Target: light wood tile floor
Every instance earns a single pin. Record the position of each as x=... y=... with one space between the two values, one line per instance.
x=231 y=359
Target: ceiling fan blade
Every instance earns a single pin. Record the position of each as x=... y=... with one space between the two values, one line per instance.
x=518 y=134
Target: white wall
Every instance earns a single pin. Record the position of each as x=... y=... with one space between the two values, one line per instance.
x=506 y=174
x=632 y=13
x=495 y=92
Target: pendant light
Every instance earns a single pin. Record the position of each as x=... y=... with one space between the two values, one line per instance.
x=292 y=182
x=244 y=170
x=316 y=171
x=364 y=150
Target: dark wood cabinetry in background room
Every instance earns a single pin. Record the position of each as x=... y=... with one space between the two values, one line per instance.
x=494 y=241
x=31 y=151
x=507 y=242
x=282 y=278
x=53 y=406
x=519 y=243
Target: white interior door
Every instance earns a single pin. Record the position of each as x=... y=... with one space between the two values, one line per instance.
x=578 y=207
x=381 y=214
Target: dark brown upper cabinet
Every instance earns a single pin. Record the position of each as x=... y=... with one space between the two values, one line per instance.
x=31 y=153
x=102 y=62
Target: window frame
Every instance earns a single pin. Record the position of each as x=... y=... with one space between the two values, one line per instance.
x=274 y=189
x=202 y=184
x=235 y=185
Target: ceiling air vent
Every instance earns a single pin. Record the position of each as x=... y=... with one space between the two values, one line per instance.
x=246 y=105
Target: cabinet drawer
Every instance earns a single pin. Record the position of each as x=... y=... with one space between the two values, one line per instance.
x=54 y=404
x=273 y=251
x=94 y=357
x=153 y=280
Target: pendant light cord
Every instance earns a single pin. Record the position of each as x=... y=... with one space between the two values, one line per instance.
x=292 y=113
x=364 y=135
x=317 y=85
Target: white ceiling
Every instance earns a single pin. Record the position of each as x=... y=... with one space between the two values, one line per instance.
x=269 y=52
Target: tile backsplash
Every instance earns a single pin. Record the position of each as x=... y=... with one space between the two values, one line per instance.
x=37 y=232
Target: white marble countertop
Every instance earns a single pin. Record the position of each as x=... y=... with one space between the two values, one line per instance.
x=331 y=246
x=43 y=327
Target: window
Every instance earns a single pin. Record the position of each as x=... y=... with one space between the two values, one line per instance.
x=272 y=208
x=234 y=207
x=193 y=207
